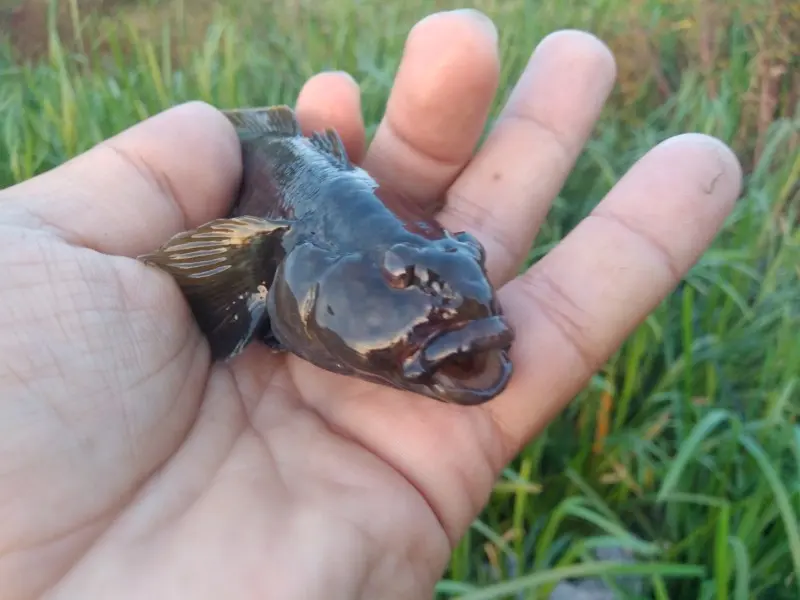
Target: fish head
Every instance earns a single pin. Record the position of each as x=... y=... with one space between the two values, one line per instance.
x=419 y=315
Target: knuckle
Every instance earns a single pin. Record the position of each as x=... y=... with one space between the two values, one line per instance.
x=559 y=146
x=564 y=314
x=479 y=219
x=644 y=237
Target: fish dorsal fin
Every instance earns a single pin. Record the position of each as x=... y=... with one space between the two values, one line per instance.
x=280 y=121
x=277 y=121
x=330 y=144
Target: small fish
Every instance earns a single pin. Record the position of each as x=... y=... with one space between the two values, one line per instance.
x=311 y=260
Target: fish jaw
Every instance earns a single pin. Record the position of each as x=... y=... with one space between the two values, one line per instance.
x=466 y=363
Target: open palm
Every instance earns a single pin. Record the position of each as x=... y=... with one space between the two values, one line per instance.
x=132 y=467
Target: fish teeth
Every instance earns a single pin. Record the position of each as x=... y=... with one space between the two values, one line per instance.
x=436 y=287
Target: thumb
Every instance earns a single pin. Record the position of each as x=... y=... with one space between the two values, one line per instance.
x=126 y=195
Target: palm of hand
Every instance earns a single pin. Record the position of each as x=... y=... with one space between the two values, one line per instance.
x=130 y=466
x=229 y=452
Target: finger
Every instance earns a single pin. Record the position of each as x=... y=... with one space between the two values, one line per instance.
x=575 y=307
x=504 y=194
x=333 y=100
x=438 y=107
x=131 y=192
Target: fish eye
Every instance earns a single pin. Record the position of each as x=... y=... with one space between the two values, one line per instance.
x=397 y=272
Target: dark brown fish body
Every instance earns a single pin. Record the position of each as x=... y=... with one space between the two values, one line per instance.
x=312 y=261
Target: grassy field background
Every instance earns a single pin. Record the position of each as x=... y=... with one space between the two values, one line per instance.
x=685 y=448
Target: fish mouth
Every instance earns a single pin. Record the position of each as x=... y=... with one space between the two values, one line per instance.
x=467 y=363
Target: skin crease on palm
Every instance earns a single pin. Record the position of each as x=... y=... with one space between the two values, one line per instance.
x=130 y=467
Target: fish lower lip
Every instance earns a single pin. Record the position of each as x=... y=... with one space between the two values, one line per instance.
x=473 y=389
x=466 y=364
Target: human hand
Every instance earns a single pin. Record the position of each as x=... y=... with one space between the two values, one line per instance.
x=132 y=467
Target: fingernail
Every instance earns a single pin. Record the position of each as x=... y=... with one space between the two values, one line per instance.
x=472 y=14
x=479 y=17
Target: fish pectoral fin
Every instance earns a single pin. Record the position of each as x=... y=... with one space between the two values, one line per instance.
x=275 y=121
x=267 y=337
x=224 y=269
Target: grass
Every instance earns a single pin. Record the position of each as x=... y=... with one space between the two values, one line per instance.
x=685 y=448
